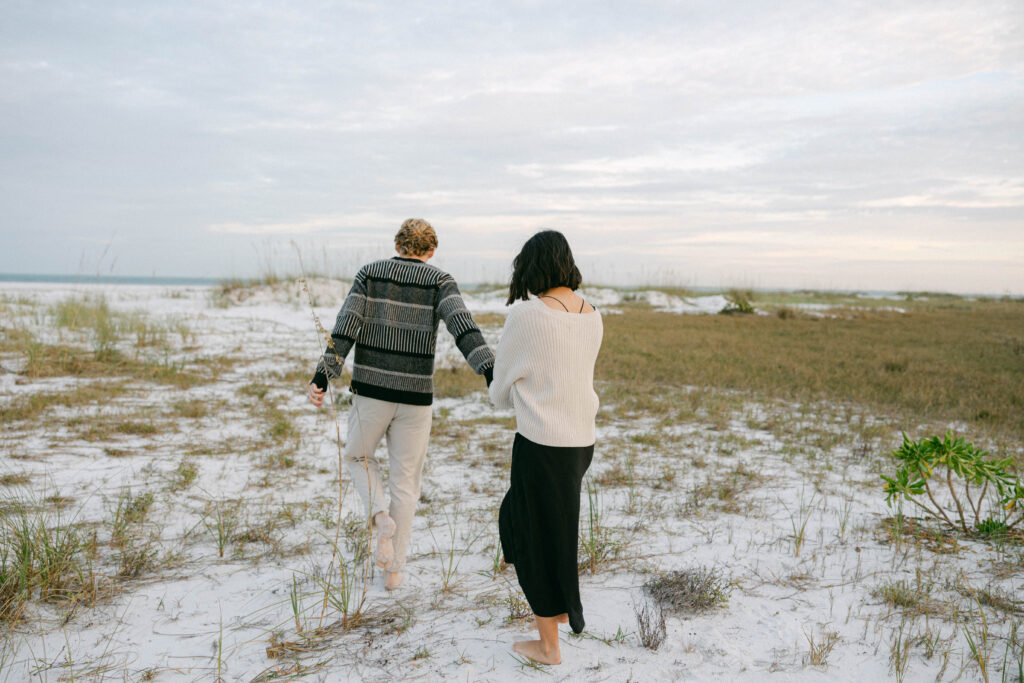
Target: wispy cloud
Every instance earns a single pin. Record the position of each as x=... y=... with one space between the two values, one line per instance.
x=722 y=139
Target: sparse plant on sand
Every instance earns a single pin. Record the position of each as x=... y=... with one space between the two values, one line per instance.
x=650 y=623
x=899 y=650
x=1013 y=655
x=518 y=608
x=820 y=647
x=295 y=598
x=129 y=510
x=222 y=527
x=978 y=637
x=937 y=474
x=136 y=556
x=690 y=590
x=451 y=557
x=596 y=543
x=184 y=474
x=798 y=521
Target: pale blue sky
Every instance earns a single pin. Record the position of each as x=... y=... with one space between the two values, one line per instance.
x=859 y=145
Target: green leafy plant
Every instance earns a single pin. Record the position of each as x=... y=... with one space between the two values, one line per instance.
x=982 y=493
x=991 y=528
x=738 y=302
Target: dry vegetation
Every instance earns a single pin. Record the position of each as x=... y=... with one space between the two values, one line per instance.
x=964 y=363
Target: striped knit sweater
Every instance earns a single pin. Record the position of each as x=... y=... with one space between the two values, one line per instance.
x=391 y=315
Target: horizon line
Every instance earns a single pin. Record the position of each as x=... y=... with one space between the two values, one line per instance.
x=170 y=280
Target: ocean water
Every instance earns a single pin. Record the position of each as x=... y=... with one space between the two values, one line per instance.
x=108 y=279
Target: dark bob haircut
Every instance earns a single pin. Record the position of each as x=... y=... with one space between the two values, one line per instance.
x=544 y=262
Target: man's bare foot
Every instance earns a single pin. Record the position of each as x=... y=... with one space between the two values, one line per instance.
x=385 y=526
x=534 y=649
x=394 y=580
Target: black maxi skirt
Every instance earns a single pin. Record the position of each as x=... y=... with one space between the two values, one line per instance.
x=539 y=525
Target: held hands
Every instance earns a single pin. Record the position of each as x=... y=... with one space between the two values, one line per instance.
x=315 y=394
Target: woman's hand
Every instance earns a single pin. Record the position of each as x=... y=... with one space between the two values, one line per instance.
x=315 y=394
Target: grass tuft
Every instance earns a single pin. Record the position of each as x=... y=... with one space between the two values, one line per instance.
x=690 y=591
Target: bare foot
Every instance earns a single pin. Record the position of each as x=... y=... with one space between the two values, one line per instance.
x=534 y=649
x=394 y=580
x=385 y=526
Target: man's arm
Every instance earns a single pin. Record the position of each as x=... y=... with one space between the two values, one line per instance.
x=460 y=323
x=343 y=336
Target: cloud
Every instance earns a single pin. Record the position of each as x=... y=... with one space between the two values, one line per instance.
x=627 y=126
x=302 y=226
x=972 y=193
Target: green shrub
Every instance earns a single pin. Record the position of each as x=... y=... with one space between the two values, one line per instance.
x=951 y=465
x=739 y=302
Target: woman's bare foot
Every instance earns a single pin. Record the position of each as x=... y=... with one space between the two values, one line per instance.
x=385 y=526
x=534 y=649
x=394 y=580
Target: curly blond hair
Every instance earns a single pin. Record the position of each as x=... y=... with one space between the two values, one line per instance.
x=416 y=237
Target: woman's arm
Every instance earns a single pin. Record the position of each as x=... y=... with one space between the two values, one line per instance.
x=511 y=359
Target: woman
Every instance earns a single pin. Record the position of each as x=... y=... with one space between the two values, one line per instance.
x=544 y=369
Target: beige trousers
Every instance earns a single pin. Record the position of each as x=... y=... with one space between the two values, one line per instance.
x=407 y=429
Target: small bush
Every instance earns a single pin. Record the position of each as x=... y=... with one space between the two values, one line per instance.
x=690 y=590
x=738 y=302
x=787 y=313
x=936 y=475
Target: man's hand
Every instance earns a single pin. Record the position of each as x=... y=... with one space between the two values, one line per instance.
x=315 y=394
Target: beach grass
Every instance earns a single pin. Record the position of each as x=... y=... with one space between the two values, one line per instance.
x=937 y=365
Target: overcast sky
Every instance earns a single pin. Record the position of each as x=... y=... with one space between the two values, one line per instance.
x=855 y=145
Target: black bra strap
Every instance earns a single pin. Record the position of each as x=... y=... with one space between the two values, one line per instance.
x=544 y=296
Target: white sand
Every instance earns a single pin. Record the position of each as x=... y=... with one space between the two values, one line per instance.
x=200 y=613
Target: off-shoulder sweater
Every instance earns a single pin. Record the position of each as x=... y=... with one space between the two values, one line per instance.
x=544 y=369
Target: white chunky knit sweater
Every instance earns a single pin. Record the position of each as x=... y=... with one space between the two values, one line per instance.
x=544 y=369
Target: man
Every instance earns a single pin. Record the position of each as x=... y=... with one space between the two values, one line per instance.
x=391 y=316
